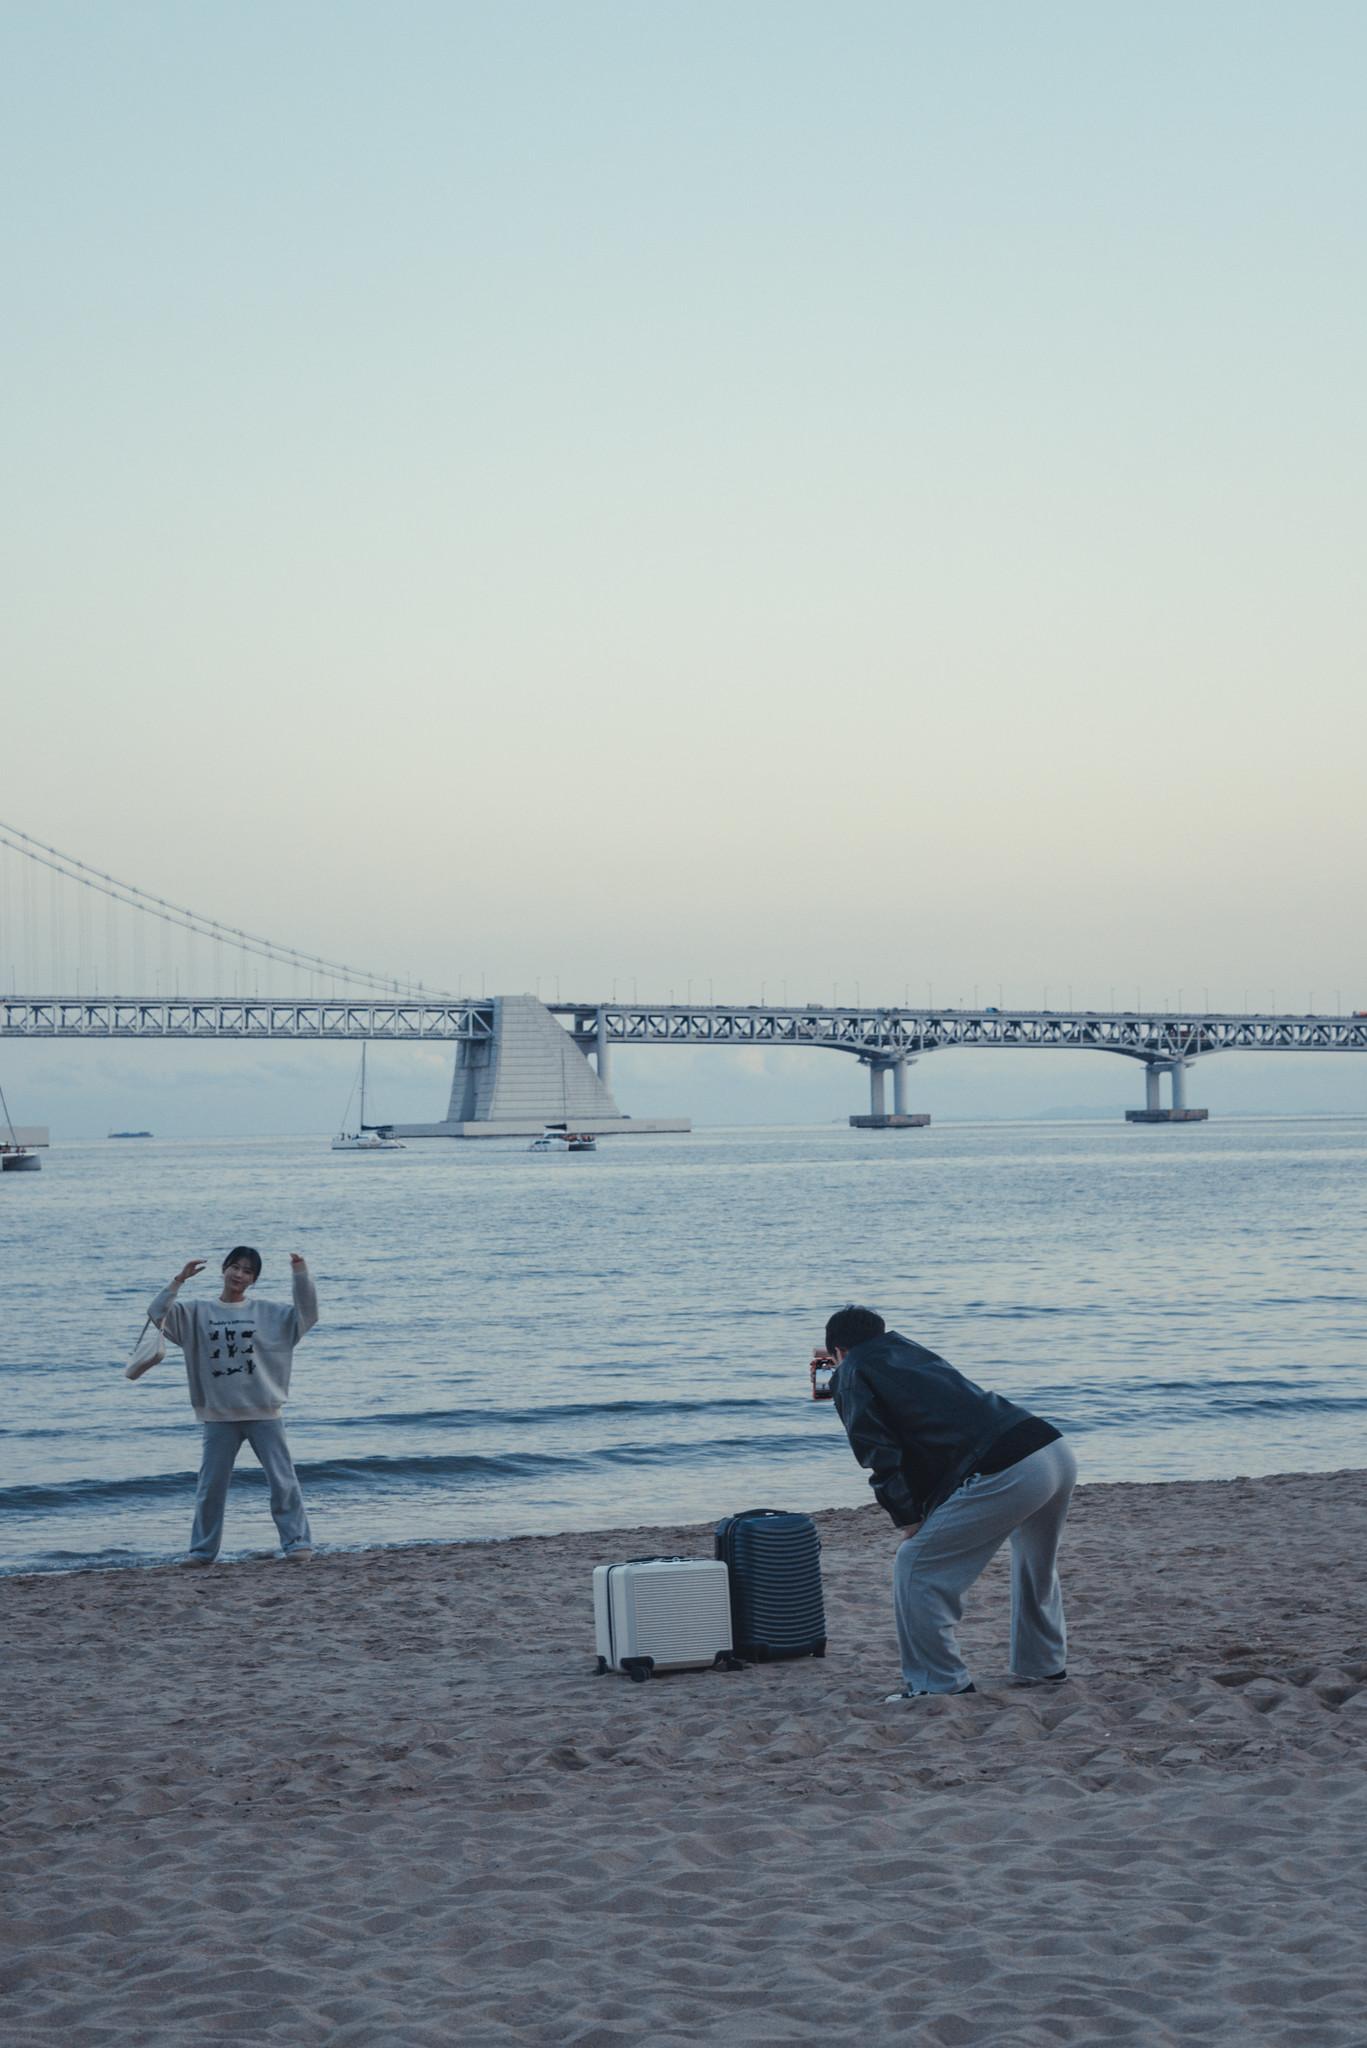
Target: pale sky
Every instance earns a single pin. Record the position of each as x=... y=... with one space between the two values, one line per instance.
x=746 y=496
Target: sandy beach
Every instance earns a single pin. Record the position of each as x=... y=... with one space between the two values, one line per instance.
x=384 y=1798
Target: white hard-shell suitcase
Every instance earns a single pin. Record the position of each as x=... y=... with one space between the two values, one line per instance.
x=662 y=1614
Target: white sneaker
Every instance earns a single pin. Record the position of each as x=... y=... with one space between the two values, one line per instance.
x=202 y=1562
x=301 y=1555
x=893 y=1699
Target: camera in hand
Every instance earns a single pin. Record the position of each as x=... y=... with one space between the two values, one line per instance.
x=821 y=1370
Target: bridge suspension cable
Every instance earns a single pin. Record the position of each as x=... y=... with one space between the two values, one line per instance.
x=199 y=926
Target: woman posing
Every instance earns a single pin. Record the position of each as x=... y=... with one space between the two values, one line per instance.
x=238 y=1356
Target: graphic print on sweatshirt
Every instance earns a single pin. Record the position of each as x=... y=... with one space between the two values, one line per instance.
x=231 y=1346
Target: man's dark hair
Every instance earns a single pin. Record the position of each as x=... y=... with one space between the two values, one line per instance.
x=248 y=1255
x=850 y=1326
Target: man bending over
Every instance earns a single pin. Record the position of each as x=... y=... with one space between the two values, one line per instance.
x=959 y=1470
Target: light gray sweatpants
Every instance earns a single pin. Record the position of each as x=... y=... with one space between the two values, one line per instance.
x=954 y=1546
x=222 y=1442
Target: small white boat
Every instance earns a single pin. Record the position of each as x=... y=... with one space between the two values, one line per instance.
x=17 y=1154
x=560 y=1138
x=361 y=1139
x=365 y=1141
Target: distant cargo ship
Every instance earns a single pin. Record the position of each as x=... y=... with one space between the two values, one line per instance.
x=130 y=1134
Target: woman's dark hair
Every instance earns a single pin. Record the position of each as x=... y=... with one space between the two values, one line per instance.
x=850 y=1326
x=248 y=1255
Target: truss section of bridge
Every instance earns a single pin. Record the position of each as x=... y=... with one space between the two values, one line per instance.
x=212 y=1017
x=894 y=1034
x=884 y=1035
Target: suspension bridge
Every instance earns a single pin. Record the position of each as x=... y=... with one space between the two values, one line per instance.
x=520 y=1062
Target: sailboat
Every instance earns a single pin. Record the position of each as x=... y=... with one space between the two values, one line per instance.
x=16 y=1146
x=362 y=1140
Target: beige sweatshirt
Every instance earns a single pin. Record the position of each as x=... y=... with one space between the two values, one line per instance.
x=237 y=1354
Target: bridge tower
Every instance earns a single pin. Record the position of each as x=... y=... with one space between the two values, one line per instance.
x=527 y=1073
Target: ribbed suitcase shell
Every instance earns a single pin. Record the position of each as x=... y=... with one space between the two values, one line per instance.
x=774 y=1561
x=661 y=1614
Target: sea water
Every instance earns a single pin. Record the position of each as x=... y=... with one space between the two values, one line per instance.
x=514 y=1342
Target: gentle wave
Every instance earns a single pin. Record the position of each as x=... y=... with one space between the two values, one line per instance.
x=471 y=1467
x=376 y=1471
x=1103 y=1411
x=467 y=1418
x=567 y=1411
x=1119 y=1398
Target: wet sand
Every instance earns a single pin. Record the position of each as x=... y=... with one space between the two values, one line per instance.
x=384 y=1799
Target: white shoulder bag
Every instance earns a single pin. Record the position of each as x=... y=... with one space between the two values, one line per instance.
x=149 y=1350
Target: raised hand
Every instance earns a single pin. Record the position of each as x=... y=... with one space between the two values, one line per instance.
x=188 y=1270
x=297 y=1261
x=821 y=1362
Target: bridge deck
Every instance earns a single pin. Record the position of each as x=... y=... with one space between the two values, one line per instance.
x=872 y=1035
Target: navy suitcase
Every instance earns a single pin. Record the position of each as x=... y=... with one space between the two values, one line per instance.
x=774 y=1564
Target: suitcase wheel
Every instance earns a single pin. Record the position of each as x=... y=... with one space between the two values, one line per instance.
x=819 y=1650
x=602 y=1665
x=637 y=1669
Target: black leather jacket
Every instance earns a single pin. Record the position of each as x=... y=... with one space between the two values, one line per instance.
x=916 y=1425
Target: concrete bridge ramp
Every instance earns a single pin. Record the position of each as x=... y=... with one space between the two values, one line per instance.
x=527 y=1074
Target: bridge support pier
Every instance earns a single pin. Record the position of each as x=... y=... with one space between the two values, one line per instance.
x=527 y=1071
x=878 y=1118
x=1152 y=1113
x=600 y=1050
